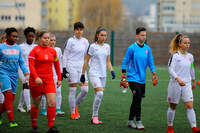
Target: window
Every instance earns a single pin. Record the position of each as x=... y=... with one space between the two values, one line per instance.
x=50 y=21
x=169 y=6
x=19 y=18
x=20 y=4
x=5 y=18
x=49 y=10
x=168 y=19
x=56 y=10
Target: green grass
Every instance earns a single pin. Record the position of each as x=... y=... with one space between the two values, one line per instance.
x=114 y=110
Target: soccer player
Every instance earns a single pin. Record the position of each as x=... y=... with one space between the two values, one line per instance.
x=138 y=56
x=99 y=56
x=41 y=60
x=58 y=89
x=181 y=70
x=26 y=47
x=11 y=59
x=73 y=59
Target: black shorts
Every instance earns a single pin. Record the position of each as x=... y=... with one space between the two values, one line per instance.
x=137 y=89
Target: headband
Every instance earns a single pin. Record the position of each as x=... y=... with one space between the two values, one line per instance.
x=181 y=37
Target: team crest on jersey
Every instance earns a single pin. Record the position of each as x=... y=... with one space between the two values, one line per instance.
x=169 y=99
x=46 y=57
x=84 y=43
x=190 y=59
x=106 y=48
x=10 y=52
x=146 y=51
x=95 y=84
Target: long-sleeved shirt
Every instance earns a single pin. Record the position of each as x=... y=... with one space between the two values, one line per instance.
x=135 y=62
x=11 y=59
x=182 y=66
x=41 y=60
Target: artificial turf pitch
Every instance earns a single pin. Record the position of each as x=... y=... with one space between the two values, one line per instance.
x=114 y=110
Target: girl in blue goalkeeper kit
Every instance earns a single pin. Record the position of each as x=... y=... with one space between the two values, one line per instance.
x=10 y=60
x=138 y=57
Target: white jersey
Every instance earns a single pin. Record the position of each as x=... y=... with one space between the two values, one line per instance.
x=74 y=52
x=98 y=59
x=26 y=48
x=59 y=54
x=182 y=66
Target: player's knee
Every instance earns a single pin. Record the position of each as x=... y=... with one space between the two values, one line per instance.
x=84 y=89
x=51 y=103
x=99 y=94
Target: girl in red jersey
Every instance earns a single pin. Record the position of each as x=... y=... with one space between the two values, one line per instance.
x=41 y=60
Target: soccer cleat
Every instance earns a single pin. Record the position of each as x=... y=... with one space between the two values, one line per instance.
x=95 y=120
x=1 y=122
x=28 y=110
x=52 y=130
x=77 y=116
x=195 y=130
x=72 y=116
x=124 y=90
x=131 y=124
x=170 y=129
x=59 y=112
x=44 y=112
x=139 y=125
x=13 y=124
x=34 y=130
x=20 y=109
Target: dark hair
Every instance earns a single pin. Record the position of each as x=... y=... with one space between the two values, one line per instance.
x=39 y=34
x=78 y=25
x=29 y=29
x=139 y=29
x=99 y=29
x=8 y=31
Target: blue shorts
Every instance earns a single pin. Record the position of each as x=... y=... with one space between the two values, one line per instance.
x=8 y=83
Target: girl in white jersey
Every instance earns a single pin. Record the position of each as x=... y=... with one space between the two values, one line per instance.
x=73 y=59
x=26 y=47
x=99 y=56
x=52 y=44
x=181 y=70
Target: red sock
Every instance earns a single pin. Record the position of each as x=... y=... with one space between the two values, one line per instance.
x=2 y=108
x=51 y=113
x=34 y=116
x=8 y=103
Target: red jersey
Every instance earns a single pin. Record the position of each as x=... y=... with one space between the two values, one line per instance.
x=41 y=60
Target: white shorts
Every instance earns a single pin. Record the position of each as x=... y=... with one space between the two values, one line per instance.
x=1 y=97
x=175 y=91
x=21 y=76
x=75 y=75
x=98 y=82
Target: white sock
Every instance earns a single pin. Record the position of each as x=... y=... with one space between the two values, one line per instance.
x=72 y=100
x=58 y=97
x=43 y=102
x=170 y=116
x=27 y=98
x=1 y=98
x=97 y=102
x=21 y=100
x=81 y=95
x=191 y=117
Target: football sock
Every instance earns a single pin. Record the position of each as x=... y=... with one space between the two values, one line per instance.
x=1 y=98
x=82 y=95
x=170 y=116
x=27 y=98
x=43 y=102
x=51 y=113
x=138 y=109
x=191 y=117
x=21 y=100
x=34 y=116
x=97 y=101
x=9 y=105
x=58 y=97
x=72 y=100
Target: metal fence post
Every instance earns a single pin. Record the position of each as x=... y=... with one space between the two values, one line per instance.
x=112 y=46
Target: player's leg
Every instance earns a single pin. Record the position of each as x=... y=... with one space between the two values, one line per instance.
x=27 y=99
x=187 y=97
x=43 y=105
x=59 y=101
x=1 y=105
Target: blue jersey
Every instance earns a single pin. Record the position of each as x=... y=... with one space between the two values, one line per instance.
x=11 y=59
x=135 y=62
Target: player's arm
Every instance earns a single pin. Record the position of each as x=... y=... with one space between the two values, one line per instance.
x=31 y=62
x=57 y=68
x=22 y=64
x=152 y=67
x=65 y=73
x=109 y=65
x=192 y=73
x=86 y=60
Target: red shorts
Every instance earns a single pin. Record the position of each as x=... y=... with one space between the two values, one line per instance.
x=47 y=86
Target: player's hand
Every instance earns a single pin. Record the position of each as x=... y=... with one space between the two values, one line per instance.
x=180 y=82
x=58 y=83
x=113 y=74
x=124 y=81
x=155 y=78
x=193 y=84
x=65 y=73
x=82 y=79
x=38 y=81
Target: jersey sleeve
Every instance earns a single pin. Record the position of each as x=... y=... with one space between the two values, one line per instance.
x=66 y=53
x=57 y=65
x=22 y=63
x=108 y=50
x=150 y=61
x=127 y=57
x=192 y=72
x=60 y=59
x=87 y=46
x=91 y=50
x=32 y=60
x=171 y=65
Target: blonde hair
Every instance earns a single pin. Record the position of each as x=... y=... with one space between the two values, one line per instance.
x=174 y=47
x=39 y=34
x=3 y=38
